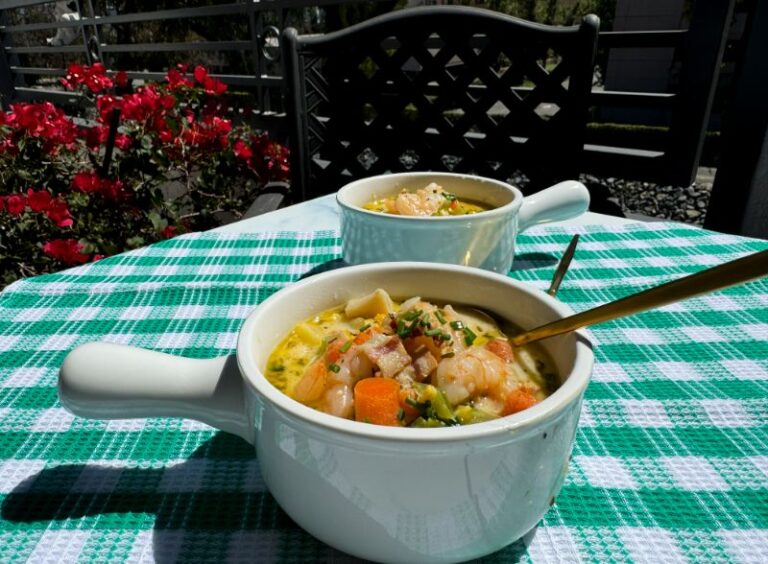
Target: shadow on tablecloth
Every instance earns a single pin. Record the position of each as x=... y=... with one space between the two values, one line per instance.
x=203 y=524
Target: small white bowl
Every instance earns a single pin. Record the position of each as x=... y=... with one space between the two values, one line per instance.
x=382 y=493
x=485 y=239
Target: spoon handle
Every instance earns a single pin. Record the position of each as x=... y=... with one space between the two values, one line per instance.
x=729 y=274
x=562 y=266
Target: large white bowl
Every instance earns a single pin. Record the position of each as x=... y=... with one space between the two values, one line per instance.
x=485 y=239
x=382 y=493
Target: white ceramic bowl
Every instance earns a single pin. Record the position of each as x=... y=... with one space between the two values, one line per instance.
x=381 y=493
x=485 y=239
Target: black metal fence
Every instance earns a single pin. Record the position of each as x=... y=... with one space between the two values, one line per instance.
x=670 y=157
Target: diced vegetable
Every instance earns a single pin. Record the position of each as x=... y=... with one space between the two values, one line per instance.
x=307 y=334
x=363 y=336
x=440 y=406
x=424 y=423
x=370 y=305
x=410 y=412
x=467 y=415
x=377 y=401
x=518 y=400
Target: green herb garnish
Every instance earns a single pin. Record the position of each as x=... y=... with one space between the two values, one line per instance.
x=364 y=327
x=277 y=367
x=401 y=414
x=469 y=336
x=440 y=317
x=457 y=325
x=334 y=367
x=345 y=347
x=411 y=315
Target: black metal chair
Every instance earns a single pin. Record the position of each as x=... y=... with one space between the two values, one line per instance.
x=438 y=88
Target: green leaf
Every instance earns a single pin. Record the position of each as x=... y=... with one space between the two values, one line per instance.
x=158 y=222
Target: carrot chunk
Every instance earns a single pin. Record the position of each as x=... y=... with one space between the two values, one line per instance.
x=518 y=400
x=377 y=401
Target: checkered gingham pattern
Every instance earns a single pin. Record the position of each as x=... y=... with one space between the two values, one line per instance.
x=670 y=461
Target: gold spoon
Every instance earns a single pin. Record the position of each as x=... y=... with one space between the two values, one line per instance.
x=562 y=266
x=729 y=274
x=480 y=317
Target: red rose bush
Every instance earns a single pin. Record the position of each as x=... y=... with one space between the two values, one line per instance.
x=179 y=163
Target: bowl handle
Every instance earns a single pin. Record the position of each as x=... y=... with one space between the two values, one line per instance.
x=108 y=381
x=562 y=201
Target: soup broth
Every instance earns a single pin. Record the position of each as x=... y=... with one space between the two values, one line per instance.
x=432 y=201
x=412 y=363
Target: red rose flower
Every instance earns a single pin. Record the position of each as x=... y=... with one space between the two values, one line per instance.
x=38 y=200
x=58 y=212
x=86 y=182
x=177 y=79
x=242 y=150
x=169 y=231
x=15 y=204
x=68 y=251
x=90 y=182
x=121 y=79
x=200 y=74
x=123 y=142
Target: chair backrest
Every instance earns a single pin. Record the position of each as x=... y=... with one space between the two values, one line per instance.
x=438 y=88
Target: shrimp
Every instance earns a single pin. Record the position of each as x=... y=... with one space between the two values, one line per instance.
x=328 y=382
x=425 y=201
x=325 y=390
x=473 y=372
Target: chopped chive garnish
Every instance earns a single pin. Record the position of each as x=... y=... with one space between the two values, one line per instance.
x=411 y=315
x=445 y=337
x=448 y=196
x=334 y=367
x=413 y=403
x=345 y=347
x=401 y=414
x=457 y=325
x=277 y=368
x=469 y=336
x=400 y=326
x=440 y=316
x=364 y=327
x=433 y=332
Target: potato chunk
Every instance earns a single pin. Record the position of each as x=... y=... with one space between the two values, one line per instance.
x=371 y=305
x=309 y=335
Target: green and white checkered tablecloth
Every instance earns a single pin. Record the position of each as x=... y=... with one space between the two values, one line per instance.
x=670 y=461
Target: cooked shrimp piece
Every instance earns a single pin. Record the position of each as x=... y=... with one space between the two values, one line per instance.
x=425 y=201
x=339 y=401
x=471 y=373
x=312 y=383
